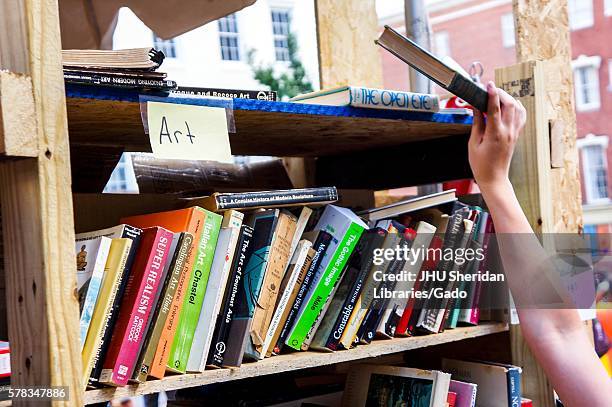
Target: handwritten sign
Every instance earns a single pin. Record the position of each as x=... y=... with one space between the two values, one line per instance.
x=188 y=132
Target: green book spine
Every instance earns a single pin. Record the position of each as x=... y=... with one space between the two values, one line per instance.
x=192 y=305
x=325 y=286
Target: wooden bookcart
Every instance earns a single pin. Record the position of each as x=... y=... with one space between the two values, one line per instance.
x=36 y=195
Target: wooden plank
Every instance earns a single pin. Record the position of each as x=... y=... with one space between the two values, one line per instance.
x=17 y=116
x=294 y=361
x=37 y=214
x=346 y=31
x=263 y=128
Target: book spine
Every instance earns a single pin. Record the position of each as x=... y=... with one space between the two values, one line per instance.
x=322 y=242
x=192 y=305
x=135 y=312
x=94 y=287
x=393 y=100
x=276 y=198
x=513 y=377
x=226 y=315
x=301 y=257
x=118 y=81
x=135 y=235
x=177 y=267
x=268 y=95
x=273 y=275
x=325 y=286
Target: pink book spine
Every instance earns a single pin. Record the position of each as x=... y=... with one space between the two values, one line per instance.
x=141 y=311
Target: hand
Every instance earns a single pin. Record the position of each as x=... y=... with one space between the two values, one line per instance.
x=492 y=143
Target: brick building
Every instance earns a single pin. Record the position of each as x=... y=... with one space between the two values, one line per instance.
x=483 y=30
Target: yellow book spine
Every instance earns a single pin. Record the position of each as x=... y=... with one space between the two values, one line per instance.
x=115 y=264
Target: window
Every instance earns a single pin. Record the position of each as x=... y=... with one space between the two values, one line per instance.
x=580 y=14
x=586 y=82
x=228 y=38
x=122 y=179
x=168 y=47
x=610 y=75
x=280 y=29
x=608 y=8
x=442 y=44
x=507 y=28
x=594 y=167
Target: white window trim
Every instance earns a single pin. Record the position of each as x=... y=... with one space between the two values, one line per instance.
x=607 y=8
x=508 y=42
x=288 y=10
x=610 y=73
x=583 y=25
x=592 y=140
x=237 y=34
x=584 y=61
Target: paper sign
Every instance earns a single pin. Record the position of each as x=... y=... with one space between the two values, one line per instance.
x=188 y=132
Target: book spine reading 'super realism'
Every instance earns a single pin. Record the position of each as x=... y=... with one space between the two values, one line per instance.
x=393 y=99
x=219 y=272
x=181 y=346
x=273 y=276
x=176 y=267
x=134 y=234
x=275 y=198
x=264 y=225
x=226 y=314
x=322 y=290
x=289 y=288
x=136 y=307
x=268 y=95
x=88 y=78
x=320 y=246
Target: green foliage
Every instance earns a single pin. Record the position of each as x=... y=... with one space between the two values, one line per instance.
x=288 y=84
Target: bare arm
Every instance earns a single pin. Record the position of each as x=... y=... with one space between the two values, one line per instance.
x=556 y=337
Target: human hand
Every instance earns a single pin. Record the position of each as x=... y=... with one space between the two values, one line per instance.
x=492 y=143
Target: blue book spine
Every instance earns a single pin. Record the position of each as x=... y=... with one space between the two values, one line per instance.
x=514 y=386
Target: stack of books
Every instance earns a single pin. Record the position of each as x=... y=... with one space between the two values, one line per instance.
x=127 y=68
x=245 y=276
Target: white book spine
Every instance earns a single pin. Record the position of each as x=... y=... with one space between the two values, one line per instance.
x=393 y=99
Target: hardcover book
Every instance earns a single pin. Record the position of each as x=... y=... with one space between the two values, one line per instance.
x=219 y=273
x=134 y=58
x=113 y=270
x=118 y=81
x=344 y=302
x=192 y=306
x=320 y=245
x=346 y=229
x=372 y=385
x=264 y=224
x=465 y=393
x=268 y=95
x=357 y=96
x=289 y=288
x=91 y=258
x=179 y=250
x=499 y=385
x=136 y=306
x=280 y=249
x=408 y=205
x=219 y=202
x=226 y=314
x=119 y=231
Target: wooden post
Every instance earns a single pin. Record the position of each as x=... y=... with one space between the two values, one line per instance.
x=37 y=216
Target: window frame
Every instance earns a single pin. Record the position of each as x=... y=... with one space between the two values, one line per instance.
x=281 y=36
x=585 y=62
x=587 y=22
x=163 y=45
x=591 y=140
x=607 y=8
x=508 y=39
x=231 y=22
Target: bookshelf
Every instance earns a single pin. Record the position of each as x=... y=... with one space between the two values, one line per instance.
x=36 y=194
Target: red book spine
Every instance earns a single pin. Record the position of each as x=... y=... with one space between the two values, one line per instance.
x=5 y=360
x=136 y=306
x=402 y=325
x=451 y=399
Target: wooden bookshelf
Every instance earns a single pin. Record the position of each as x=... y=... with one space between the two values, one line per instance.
x=295 y=361
x=46 y=129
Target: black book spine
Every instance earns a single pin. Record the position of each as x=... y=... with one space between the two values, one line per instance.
x=374 y=239
x=276 y=198
x=320 y=247
x=469 y=91
x=133 y=233
x=118 y=81
x=268 y=95
x=226 y=314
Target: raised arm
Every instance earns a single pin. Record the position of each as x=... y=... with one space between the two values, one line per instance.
x=557 y=337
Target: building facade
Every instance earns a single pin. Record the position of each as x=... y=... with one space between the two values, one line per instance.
x=483 y=30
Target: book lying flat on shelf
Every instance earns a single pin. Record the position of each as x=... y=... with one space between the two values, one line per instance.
x=134 y=58
x=268 y=95
x=433 y=68
x=219 y=202
x=408 y=205
x=118 y=80
x=357 y=96
x=374 y=385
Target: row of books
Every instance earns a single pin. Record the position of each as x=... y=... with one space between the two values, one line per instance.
x=184 y=290
x=459 y=384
